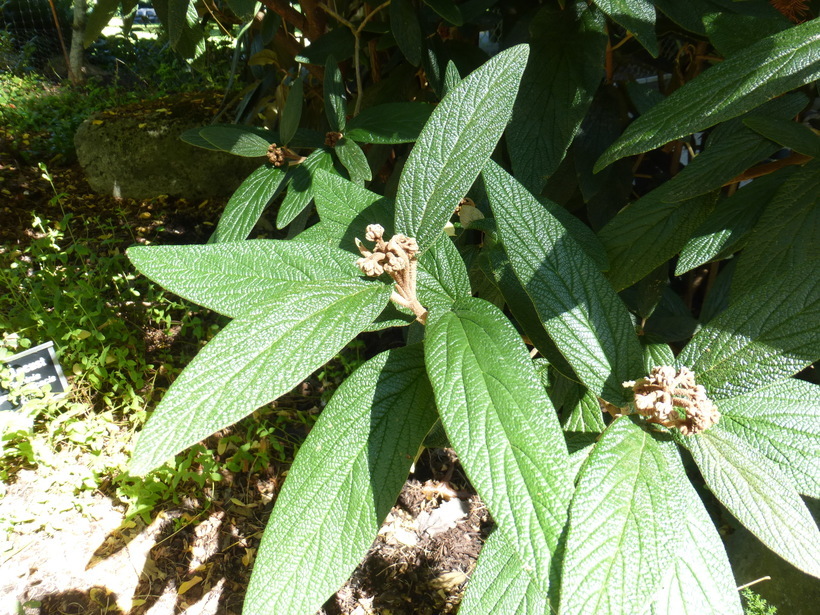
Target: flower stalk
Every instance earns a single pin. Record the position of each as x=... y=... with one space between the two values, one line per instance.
x=397 y=258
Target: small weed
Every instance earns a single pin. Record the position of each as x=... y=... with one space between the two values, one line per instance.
x=753 y=604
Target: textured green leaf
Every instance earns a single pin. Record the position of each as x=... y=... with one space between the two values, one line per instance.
x=657 y=355
x=731 y=33
x=768 y=334
x=455 y=144
x=446 y=9
x=700 y=582
x=452 y=77
x=687 y=14
x=786 y=236
x=622 y=518
x=390 y=123
x=442 y=275
x=238 y=140
x=346 y=209
x=335 y=107
x=637 y=16
x=731 y=149
x=759 y=495
x=522 y=308
x=247 y=204
x=354 y=160
x=487 y=391
x=781 y=421
x=500 y=585
x=254 y=360
x=767 y=68
x=797 y=137
x=242 y=277
x=580 y=311
x=649 y=232
x=404 y=24
x=292 y=113
x=300 y=188
x=580 y=232
x=565 y=67
x=579 y=407
x=722 y=232
x=343 y=483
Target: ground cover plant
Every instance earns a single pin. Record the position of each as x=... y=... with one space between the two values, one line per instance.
x=600 y=324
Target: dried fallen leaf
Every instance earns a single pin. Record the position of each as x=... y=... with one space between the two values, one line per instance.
x=188 y=585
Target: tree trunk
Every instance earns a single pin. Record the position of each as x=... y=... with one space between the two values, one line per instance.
x=75 y=68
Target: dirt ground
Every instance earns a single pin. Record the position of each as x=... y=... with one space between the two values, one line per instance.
x=196 y=557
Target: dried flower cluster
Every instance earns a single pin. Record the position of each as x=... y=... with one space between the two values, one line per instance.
x=332 y=138
x=673 y=399
x=396 y=257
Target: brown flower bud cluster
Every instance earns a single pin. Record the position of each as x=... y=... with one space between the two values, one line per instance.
x=397 y=258
x=276 y=155
x=332 y=138
x=672 y=399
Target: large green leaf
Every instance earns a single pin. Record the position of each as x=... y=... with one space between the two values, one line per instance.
x=243 y=277
x=649 y=232
x=98 y=19
x=637 y=16
x=502 y=425
x=300 y=189
x=335 y=108
x=238 y=140
x=781 y=421
x=446 y=9
x=442 y=275
x=765 y=69
x=768 y=334
x=566 y=65
x=786 y=236
x=723 y=231
x=254 y=360
x=797 y=137
x=342 y=484
x=390 y=123
x=759 y=495
x=500 y=585
x=346 y=209
x=580 y=410
x=583 y=315
x=247 y=204
x=455 y=144
x=405 y=27
x=622 y=526
x=700 y=581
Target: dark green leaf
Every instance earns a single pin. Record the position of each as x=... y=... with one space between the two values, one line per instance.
x=244 y=277
x=346 y=209
x=579 y=407
x=657 y=355
x=487 y=391
x=300 y=189
x=767 y=68
x=781 y=421
x=238 y=140
x=254 y=360
x=732 y=33
x=797 y=137
x=580 y=232
x=766 y=335
x=390 y=123
x=580 y=311
x=247 y=204
x=758 y=495
x=786 y=236
x=455 y=144
x=637 y=16
x=335 y=108
x=638 y=479
x=404 y=24
x=338 y=42
x=723 y=231
x=442 y=275
x=292 y=113
x=563 y=72
x=354 y=160
x=446 y=9
x=343 y=483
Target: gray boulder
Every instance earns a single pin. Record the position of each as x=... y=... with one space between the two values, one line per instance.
x=135 y=151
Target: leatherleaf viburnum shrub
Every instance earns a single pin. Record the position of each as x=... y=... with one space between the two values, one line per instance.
x=614 y=316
